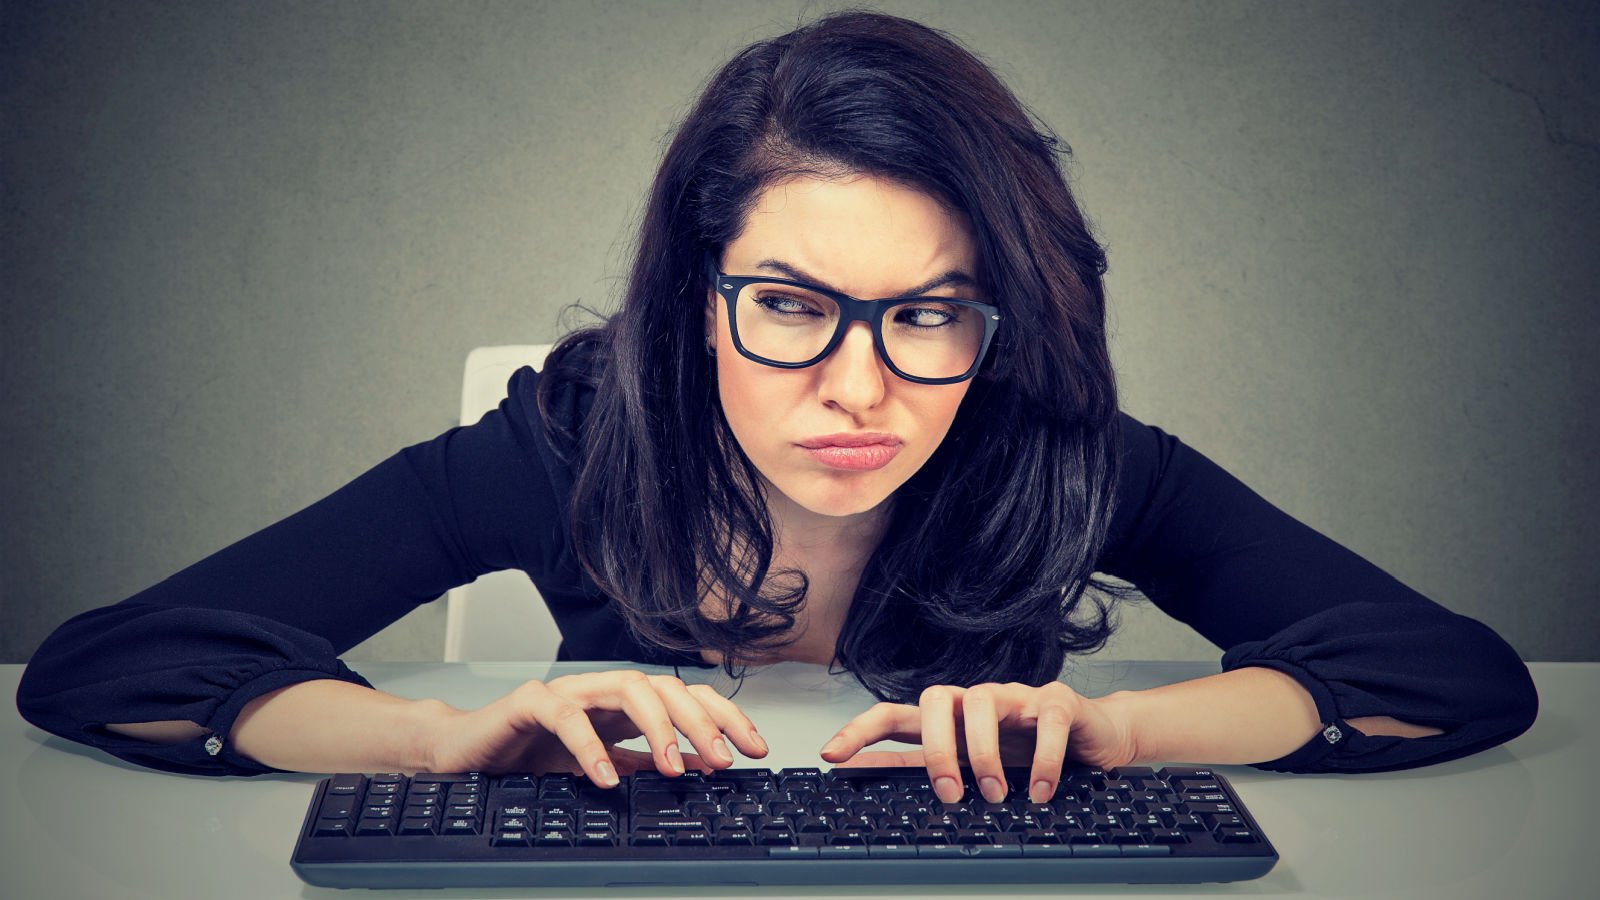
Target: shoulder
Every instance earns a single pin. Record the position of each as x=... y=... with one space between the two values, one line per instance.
x=1150 y=465
x=553 y=401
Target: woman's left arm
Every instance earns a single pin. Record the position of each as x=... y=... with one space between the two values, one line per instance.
x=1366 y=673
x=1331 y=664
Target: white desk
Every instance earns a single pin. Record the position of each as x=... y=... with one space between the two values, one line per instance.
x=79 y=824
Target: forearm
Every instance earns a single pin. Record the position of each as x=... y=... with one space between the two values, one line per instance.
x=323 y=725
x=1249 y=715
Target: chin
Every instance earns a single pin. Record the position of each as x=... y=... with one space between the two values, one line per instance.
x=841 y=498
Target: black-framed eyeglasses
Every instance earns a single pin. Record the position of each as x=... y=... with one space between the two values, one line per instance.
x=792 y=325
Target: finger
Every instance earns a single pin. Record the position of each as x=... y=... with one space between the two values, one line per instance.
x=731 y=720
x=883 y=721
x=981 y=720
x=632 y=762
x=896 y=759
x=537 y=705
x=1052 y=729
x=938 y=706
x=693 y=719
x=645 y=707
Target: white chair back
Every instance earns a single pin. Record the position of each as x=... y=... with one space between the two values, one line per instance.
x=500 y=616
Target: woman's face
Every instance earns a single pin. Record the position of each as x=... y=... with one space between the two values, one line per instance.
x=868 y=238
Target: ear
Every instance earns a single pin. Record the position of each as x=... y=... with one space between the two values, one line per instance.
x=711 y=315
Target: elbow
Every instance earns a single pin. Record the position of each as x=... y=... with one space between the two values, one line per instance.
x=1503 y=697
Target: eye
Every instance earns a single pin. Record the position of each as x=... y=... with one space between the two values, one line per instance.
x=787 y=304
x=927 y=316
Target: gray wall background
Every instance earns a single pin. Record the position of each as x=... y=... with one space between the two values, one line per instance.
x=246 y=249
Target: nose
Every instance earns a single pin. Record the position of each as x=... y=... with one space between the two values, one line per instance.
x=853 y=376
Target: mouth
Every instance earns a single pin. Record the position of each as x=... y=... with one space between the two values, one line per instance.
x=859 y=452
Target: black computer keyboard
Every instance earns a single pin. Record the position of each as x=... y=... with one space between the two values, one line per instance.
x=756 y=826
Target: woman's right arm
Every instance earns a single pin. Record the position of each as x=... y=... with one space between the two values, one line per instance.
x=278 y=608
x=160 y=678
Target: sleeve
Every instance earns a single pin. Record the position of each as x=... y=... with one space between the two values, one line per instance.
x=279 y=606
x=1273 y=592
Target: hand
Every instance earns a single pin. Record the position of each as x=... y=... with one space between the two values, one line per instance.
x=1002 y=724
x=571 y=724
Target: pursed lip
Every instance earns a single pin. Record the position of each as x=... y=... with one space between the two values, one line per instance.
x=851 y=439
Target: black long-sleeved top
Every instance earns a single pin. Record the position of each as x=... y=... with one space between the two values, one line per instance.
x=279 y=606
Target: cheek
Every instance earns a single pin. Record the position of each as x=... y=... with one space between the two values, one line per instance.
x=937 y=411
x=752 y=399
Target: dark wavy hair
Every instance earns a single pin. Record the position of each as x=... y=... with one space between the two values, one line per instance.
x=986 y=570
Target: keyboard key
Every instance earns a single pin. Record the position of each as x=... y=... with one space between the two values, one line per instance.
x=668 y=823
x=333 y=828
x=993 y=850
x=415 y=825
x=347 y=785
x=342 y=806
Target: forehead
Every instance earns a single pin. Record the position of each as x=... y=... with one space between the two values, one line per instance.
x=859 y=234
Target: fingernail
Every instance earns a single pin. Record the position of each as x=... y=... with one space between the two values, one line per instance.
x=836 y=743
x=608 y=775
x=1042 y=792
x=721 y=747
x=756 y=739
x=993 y=791
x=948 y=789
x=675 y=759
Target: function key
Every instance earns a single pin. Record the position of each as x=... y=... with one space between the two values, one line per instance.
x=558 y=787
x=370 y=825
x=346 y=784
x=518 y=782
x=416 y=825
x=333 y=828
x=337 y=807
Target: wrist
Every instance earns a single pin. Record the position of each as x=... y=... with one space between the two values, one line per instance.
x=430 y=719
x=1122 y=708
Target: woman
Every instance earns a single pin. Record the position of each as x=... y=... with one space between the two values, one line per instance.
x=856 y=408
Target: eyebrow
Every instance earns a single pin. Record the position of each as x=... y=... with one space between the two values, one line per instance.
x=954 y=276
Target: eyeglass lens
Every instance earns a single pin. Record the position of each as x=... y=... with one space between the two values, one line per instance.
x=923 y=338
